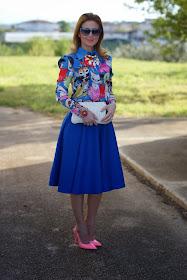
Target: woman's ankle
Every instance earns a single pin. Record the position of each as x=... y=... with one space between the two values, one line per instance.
x=90 y=229
x=83 y=233
x=82 y=228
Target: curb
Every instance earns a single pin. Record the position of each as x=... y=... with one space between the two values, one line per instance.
x=176 y=197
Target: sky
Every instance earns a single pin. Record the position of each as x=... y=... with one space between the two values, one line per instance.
x=16 y=11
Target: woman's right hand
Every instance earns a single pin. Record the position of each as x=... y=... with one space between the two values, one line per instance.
x=90 y=119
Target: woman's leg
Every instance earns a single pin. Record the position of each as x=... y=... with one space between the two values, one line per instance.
x=93 y=202
x=77 y=203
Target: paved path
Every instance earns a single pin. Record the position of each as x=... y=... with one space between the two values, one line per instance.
x=157 y=149
x=143 y=236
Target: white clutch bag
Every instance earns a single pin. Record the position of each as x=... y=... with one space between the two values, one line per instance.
x=94 y=107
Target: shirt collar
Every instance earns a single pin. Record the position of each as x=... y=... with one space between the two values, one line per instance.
x=82 y=52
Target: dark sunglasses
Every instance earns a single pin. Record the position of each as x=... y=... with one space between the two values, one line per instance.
x=86 y=31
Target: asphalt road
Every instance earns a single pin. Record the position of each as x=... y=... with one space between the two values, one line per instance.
x=143 y=235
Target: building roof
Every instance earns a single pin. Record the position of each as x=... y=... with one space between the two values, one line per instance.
x=36 y=21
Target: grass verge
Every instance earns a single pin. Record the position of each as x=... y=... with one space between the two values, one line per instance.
x=141 y=88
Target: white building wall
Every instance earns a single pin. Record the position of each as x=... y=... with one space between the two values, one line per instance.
x=21 y=37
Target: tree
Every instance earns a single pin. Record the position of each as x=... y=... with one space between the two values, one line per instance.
x=64 y=26
x=171 y=24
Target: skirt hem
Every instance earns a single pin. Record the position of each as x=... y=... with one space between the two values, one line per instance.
x=66 y=192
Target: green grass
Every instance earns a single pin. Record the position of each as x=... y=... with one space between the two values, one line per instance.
x=141 y=88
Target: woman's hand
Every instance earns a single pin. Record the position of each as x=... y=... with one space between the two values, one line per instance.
x=90 y=119
x=110 y=112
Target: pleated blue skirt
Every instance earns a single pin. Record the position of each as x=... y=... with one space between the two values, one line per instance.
x=86 y=160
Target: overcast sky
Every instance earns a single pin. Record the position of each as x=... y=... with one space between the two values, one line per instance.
x=15 y=11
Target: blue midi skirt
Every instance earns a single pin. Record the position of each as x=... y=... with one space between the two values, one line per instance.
x=86 y=160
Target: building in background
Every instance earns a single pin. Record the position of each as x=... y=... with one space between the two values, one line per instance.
x=116 y=31
x=37 y=26
x=22 y=37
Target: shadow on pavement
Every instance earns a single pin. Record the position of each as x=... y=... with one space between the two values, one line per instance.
x=37 y=235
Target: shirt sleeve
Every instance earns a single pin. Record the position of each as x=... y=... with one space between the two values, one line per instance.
x=63 y=82
x=111 y=95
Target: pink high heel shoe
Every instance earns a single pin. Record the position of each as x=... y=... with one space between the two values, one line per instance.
x=82 y=245
x=94 y=242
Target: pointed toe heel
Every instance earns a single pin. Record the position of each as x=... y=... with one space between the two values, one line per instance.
x=82 y=245
x=96 y=243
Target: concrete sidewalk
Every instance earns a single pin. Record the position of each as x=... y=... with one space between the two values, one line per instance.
x=156 y=148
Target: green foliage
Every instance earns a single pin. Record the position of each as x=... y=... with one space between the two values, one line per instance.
x=37 y=47
x=111 y=45
x=1 y=34
x=151 y=52
x=47 y=47
x=41 y=46
x=9 y=50
x=141 y=88
x=62 y=47
x=5 y=50
x=64 y=26
x=172 y=23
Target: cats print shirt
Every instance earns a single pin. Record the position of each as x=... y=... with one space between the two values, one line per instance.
x=90 y=78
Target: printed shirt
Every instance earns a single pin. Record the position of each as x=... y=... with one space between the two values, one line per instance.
x=90 y=78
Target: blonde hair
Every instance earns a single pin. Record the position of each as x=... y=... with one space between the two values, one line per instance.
x=77 y=41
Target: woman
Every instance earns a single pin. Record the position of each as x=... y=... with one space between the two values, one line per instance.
x=87 y=159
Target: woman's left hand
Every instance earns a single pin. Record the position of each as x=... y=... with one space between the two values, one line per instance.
x=110 y=112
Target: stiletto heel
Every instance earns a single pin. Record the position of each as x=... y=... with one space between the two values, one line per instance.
x=82 y=245
x=94 y=242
